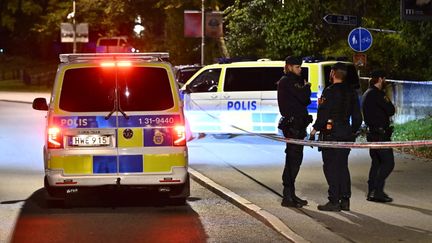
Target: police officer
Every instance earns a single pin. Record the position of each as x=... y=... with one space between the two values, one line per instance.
x=377 y=110
x=338 y=103
x=293 y=99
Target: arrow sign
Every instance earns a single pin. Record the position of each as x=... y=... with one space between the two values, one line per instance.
x=360 y=39
x=340 y=19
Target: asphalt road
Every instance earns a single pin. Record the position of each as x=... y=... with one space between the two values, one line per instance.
x=249 y=166
x=25 y=217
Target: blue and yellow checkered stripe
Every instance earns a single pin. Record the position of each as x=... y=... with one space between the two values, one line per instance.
x=107 y=164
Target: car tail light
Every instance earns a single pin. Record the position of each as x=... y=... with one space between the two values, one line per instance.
x=55 y=138
x=179 y=136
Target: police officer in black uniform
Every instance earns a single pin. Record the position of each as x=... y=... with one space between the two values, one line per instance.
x=293 y=98
x=377 y=110
x=338 y=103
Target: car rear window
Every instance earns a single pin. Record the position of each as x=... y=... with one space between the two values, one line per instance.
x=94 y=89
x=252 y=78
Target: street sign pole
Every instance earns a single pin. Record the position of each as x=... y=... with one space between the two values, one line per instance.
x=202 y=33
x=74 y=28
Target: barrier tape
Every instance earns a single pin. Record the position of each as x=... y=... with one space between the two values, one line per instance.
x=426 y=82
x=330 y=144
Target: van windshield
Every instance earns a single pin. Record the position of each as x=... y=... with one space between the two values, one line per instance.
x=93 y=89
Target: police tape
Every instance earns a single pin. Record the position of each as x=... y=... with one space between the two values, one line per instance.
x=330 y=144
x=359 y=145
x=426 y=82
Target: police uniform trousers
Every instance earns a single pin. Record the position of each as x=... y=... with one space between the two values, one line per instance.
x=293 y=160
x=382 y=165
x=337 y=173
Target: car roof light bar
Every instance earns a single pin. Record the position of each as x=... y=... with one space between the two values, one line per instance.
x=145 y=56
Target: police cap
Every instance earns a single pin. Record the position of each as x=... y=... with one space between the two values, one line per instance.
x=339 y=66
x=377 y=74
x=291 y=60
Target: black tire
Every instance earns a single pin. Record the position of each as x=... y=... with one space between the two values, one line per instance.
x=223 y=136
x=180 y=201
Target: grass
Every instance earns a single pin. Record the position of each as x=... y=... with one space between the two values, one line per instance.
x=415 y=130
x=18 y=85
x=26 y=74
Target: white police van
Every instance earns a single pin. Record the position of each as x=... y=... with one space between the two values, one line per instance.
x=241 y=97
x=115 y=120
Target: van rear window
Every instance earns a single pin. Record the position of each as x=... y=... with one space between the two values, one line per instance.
x=252 y=78
x=94 y=89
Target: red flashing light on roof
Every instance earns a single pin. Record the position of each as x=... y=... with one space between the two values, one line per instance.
x=116 y=64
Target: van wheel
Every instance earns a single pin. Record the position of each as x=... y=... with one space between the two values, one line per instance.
x=223 y=136
x=179 y=201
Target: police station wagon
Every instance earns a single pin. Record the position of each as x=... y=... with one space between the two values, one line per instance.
x=241 y=97
x=115 y=120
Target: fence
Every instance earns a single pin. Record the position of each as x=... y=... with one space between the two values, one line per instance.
x=412 y=99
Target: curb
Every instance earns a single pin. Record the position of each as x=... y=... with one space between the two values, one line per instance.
x=247 y=206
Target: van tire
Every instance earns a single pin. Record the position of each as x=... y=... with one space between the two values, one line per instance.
x=223 y=136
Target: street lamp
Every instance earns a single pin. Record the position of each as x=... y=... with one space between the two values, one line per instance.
x=202 y=32
x=71 y=15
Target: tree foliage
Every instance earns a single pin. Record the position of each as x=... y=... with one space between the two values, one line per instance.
x=253 y=28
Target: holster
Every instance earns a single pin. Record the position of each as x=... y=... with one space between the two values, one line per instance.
x=294 y=127
x=379 y=134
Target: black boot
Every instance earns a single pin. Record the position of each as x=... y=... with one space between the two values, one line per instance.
x=299 y=200
x=291 y=203
x=376 y=196
x=330 y=206
x=345 y=204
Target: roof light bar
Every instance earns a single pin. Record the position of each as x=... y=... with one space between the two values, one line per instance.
x=146 y=56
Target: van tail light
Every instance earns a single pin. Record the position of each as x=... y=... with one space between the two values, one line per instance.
x=179 y=136
x=55 y=138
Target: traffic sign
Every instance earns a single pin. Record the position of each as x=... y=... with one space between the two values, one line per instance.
x=360 y=39
x=341 y=19
x=359 y=59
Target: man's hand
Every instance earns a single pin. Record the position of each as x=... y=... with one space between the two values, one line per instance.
x=312 y=135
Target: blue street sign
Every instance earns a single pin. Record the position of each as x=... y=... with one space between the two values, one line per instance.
x=360 y=39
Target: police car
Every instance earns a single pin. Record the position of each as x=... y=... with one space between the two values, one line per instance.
x=241 y=97
x=115 y=120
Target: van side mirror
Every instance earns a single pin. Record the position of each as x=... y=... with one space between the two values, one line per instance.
x=40 y=104
x=187 y=89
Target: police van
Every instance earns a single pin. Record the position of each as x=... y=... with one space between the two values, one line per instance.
x=241 y=97
x=115 y=120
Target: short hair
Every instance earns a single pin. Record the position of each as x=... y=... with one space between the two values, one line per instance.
x=292 y=60
x=340 y=70
x=377 y=74
x=373 y=81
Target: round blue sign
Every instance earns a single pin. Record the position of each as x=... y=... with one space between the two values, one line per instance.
x=360 y=39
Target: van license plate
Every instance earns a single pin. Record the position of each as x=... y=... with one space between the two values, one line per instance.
x=90 y=140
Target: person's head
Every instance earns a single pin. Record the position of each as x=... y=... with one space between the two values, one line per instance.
x=293 y=65
x=377 y=79
x=338 y=73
